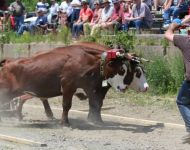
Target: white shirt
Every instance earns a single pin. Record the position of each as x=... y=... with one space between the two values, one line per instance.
x=42 y=6
x=54 y=9
x=67 y=7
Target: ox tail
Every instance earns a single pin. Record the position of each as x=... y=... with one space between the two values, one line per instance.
x=80 y=93
x=81 y=96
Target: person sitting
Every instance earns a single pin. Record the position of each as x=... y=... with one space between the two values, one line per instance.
x=76 y=5
x=114 y=22
x=66 y=6
x=126 y=14
x=173 y=8
x=63 y=17
x=7 y=22
x=107 y=11
x=86 y=15
x=96 y=17
x=141 y=16
x=53 y=15
x=40 y=24
x=18 y=10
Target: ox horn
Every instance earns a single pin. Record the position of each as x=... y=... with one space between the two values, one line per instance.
x=144 y=60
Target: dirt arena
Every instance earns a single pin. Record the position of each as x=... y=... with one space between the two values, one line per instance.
x=128 y=126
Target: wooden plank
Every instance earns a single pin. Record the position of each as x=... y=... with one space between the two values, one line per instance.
x=21 y=140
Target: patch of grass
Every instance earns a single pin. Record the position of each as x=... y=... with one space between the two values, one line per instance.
x=143 y=99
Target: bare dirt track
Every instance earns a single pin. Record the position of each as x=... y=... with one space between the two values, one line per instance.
x=118 y=133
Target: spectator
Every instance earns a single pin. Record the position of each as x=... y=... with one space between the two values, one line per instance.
x=66 y=6
x=148 y=3
x=76 y=5
x=53 y=14
x=54 y=8
x=43 y=5
x=86 y=15
x=158 y=4
x=18 y=10
x=63 y=17
x=105 y=16
x=173 y=8
x=126 y=14
x=40 y=23
x=183 y=98
x=96 y=16
x=141 y=16
x=116 y=18
x=7 y=22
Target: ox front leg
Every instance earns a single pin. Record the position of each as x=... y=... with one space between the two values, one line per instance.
x=95 y=104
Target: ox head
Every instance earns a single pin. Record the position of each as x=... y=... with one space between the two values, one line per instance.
x=123 y=71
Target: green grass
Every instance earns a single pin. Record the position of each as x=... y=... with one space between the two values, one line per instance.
x=143 y=99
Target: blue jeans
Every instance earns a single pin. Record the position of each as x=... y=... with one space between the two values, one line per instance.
x=25 y=27
x=183 y=103
x=138 y=24
x=125 y=27
x=74 y=16
x=174 y=11
x=77 y=30
x=19 y=20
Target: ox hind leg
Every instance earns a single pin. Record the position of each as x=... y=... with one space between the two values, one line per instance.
x=47 y=108
x=66 y=104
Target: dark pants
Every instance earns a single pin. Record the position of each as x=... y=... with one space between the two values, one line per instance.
x=183 y=103
x=138 y=24
x=77 y=30
x=19 y=20
x=74 y=16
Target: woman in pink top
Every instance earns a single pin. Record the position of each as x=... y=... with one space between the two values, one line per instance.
x=126 y=14
x=95 y=19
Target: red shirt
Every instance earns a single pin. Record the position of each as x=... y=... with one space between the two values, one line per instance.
x=117 y=14
x=86 y=13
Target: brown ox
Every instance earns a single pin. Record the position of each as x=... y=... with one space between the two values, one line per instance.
x=63 y=70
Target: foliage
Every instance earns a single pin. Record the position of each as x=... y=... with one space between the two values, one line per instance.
x=121 y=39
x=165 y=74
x=30 y=4
x=64 y=36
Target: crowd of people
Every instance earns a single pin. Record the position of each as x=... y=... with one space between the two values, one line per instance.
x=96 y=15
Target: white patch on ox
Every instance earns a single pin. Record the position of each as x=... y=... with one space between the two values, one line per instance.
x=139 y=84
x=117 y=81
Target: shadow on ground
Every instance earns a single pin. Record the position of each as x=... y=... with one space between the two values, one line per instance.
x=82 y=125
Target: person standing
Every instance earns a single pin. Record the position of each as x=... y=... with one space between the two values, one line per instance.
x=66 y=7
x=18 y=10
x=183 y=98
x=42 y=5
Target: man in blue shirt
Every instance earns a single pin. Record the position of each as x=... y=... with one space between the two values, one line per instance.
x=41 y=23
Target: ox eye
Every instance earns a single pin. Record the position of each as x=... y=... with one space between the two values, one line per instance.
x=121 y=71
x=138 y=72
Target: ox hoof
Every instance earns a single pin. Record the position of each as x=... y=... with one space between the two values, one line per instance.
x=51 y=118
x=96 y=121
x=65 y=124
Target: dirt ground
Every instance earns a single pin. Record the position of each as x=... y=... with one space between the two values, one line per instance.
x=117 y=133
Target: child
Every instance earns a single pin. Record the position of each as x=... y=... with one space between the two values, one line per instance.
x=126 y=14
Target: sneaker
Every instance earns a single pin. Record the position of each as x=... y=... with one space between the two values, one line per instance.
x=165 y=26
